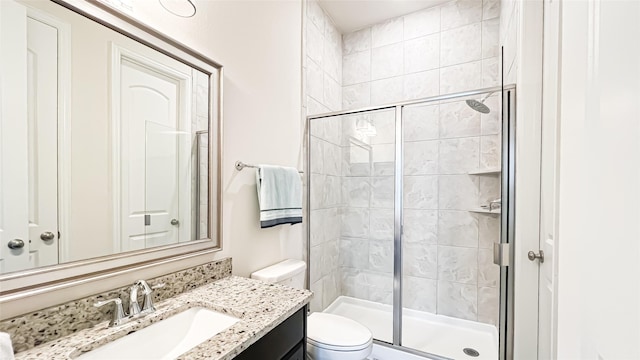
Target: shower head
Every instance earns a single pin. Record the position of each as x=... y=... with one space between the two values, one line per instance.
x=479 y=106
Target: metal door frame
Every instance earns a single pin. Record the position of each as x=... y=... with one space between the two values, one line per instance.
x=507 y=233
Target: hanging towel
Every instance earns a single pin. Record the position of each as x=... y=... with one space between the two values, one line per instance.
x=279 y=195
x=6 y=349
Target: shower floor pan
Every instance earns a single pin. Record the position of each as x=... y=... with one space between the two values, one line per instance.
x=435 y=334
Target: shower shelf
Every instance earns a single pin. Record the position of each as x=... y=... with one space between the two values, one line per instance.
x=485 y=211
x=490 y=171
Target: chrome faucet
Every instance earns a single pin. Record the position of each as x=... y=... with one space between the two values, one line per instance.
x=119 y=316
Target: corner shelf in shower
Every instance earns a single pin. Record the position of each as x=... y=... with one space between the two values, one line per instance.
x=489 y=171
x=485 y=211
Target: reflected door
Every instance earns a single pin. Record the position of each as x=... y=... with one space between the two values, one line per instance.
x=153 y=116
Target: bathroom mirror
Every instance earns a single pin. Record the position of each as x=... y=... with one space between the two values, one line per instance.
x=109 y=142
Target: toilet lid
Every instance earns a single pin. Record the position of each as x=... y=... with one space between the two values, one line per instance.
x=337 y=332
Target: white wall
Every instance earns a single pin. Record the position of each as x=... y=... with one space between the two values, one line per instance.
x=599 y=188
x=259 y=45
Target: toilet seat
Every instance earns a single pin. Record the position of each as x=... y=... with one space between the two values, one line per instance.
x=337 y=333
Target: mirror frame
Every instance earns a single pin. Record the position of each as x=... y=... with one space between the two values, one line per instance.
x=28 y=282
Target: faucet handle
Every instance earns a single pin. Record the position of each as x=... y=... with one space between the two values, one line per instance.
x=118 y=312
x=147 y=303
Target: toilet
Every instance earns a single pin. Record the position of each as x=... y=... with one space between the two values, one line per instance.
x=329 y=336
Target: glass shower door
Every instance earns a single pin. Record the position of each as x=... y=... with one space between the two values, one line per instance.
x=352 y=183
x=451 y=218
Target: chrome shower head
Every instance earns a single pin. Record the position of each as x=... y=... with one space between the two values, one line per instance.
x=479 y=106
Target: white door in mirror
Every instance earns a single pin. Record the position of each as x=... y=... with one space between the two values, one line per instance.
x=154 y=132
x=167 y=339
x=28 y=140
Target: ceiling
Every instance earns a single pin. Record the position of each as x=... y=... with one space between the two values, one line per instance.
x=351 y=15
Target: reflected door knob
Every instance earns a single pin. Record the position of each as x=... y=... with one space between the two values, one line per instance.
x=175 y=222
x=15 y=244
x=533 y=256
x=47 y=235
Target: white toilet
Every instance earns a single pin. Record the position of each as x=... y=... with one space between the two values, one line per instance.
x=329 y=337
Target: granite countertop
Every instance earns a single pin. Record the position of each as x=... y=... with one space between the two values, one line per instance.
x=259 y=306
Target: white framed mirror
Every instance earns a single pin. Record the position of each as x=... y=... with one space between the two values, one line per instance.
x=110 y=144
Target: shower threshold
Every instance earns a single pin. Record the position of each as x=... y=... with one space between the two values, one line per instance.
x=435 y=334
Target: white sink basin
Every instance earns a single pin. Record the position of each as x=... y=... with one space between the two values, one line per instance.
x=166 y=339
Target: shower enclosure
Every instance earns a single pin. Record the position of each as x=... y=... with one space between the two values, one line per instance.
x=410 y=219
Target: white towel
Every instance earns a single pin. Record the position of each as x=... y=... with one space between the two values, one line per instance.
x=6 y=349
x=279 y=195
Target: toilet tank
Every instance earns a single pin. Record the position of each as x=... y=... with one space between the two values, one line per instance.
x=289 y=272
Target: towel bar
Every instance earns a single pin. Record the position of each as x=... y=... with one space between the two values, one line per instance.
x=240 y=165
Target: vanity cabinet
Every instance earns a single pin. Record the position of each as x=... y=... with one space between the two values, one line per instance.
x=288 y=341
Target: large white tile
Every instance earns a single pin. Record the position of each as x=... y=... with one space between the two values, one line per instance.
x=461 y=45
x=384 y=122
x=419 y=293
x=421 y=85
x=380 y=287
x=332 y=94
x=421 y=157
x=355 y=223
x=489 y=305
x=458 y=264
x=315 y=81
x=387 y=61
x=356 y=160
x=458 y=192
x=457 y=119
x=460 y=12
x=382 y=191
x=420 y=226
x=421 y=122
x=330 y=259
x=381 y=256
x=490 y=151
x=457 y=228
x=488 y=272
x=356 y=68
x=459 y=156
x=315 y=43
x=490 y=9
x=387 y=90
x=315 y=107
x=489 y=231
x=356 y=41
x=388 y=32
x=356 y=191
x=461 y=77
x=381 y=224
x=317 y=259
x=457 y=300
x=316 y=153
x=491 y=123
x=354 y=253
x=332 y=159
x=316 y=15
x=356 y=96
x=489 y=189
x=490 y=75
x=422 y=54
x=332 y=56
x=333 y=191
x=354 y=283
x=423 y=22
x=490 y=38
x=316 y=198
x=421 y=192
x=383 y=159
x=420 y=260
x=317 y=222
x=316 y=301
x=330 y=288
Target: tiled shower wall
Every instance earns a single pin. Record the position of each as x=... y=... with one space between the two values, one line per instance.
x=439 y=50
x=447 y=251
x=322 y=67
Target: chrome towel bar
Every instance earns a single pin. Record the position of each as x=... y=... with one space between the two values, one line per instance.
x=240 y=165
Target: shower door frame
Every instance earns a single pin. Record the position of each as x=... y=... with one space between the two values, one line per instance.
x=503 y=250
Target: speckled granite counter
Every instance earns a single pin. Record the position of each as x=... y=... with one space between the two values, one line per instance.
x=259 y=306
